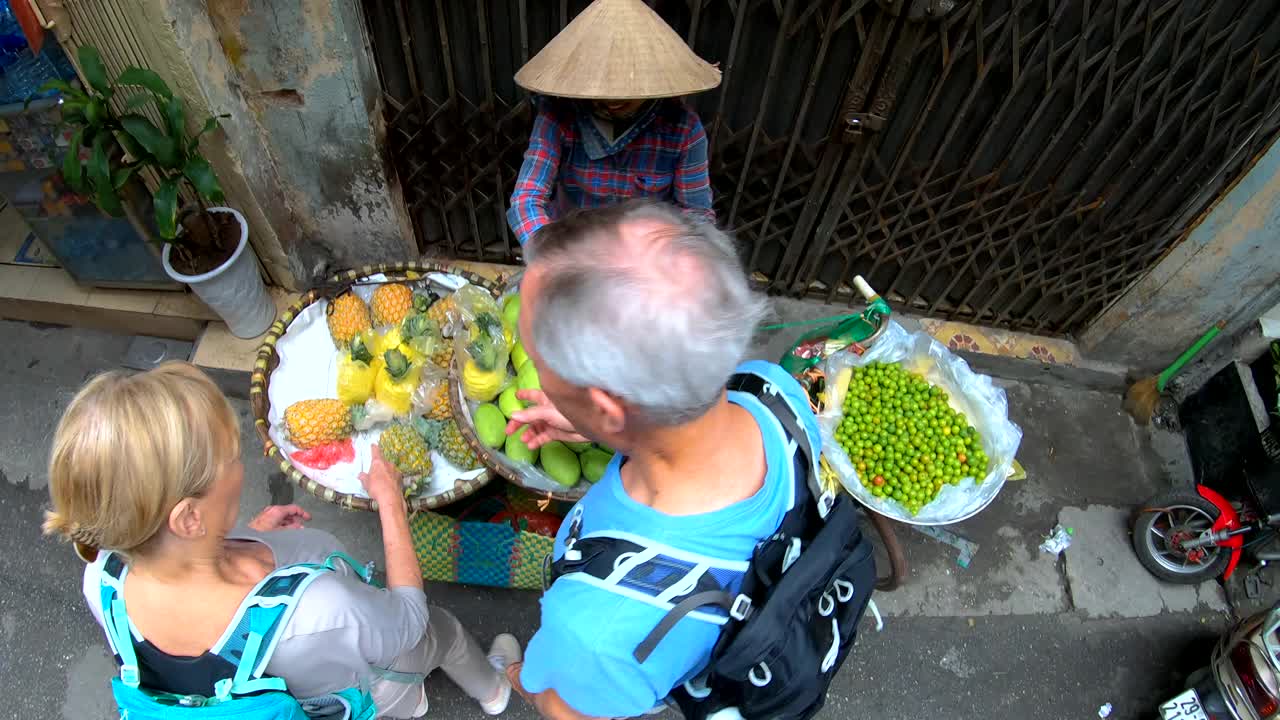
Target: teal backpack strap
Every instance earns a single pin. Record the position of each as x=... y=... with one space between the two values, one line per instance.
x=263 y=626
x=364 y=572
x=117 y=623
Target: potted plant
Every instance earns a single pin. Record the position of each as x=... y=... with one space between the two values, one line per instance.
x=204 y=245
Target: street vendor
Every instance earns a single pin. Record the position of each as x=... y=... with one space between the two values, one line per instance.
x=609 y=124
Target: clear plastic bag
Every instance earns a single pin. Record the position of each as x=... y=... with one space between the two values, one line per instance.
x=481 y=345
x=983 y=404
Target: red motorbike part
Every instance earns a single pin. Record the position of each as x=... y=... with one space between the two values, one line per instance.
x=1228 y=519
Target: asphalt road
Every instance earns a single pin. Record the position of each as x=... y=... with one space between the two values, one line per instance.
x=1001 y=638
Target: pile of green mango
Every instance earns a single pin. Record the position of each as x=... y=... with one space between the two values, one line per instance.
x=566 y=463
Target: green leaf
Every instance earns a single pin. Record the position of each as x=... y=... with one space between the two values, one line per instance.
x=175 y=117
x=95 y=112
x=203 y=178
x=122 y=175
x=69 y=91
x=94 y=71
x=137 y=101
x=209 y=126
x=73 y=112
x=145 y=78
x=166 y=202
x=132 y=148
x=72 y=171
x=155 y=141
x=100 y=177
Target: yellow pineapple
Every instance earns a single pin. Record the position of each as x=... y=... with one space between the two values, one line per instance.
x=356 y=373
x=445 y=437
x=347 y=316
x=403 y=447
x=443 y=311
x=316 y=422
x=391 y=303
x=395 y=382
x=440 y=409
x=455 y=448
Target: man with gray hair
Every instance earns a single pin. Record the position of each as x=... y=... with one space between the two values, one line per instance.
x=636 y=317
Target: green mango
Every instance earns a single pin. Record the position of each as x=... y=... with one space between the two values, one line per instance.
x=491 y=425
x=527 y=378
x=508 y=403
x=561 y=463
x=594 y=462
x=511 y=312
x=517 y=450
x=578 y=447
x=518 y=356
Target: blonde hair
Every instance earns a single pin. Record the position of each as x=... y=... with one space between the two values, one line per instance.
x=130 y=447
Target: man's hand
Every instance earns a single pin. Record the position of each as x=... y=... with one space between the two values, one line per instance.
x=545 y=422
x=279 y=517
x=548 y=703
x=382 y=480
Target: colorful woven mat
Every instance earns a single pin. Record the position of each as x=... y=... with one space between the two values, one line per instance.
x=478 y=553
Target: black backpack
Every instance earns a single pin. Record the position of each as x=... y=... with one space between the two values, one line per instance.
x=789 y=617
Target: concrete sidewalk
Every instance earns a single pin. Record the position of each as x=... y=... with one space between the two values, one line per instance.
x=1007 y=636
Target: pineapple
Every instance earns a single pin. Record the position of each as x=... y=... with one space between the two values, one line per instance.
x=443 y=356
x=455 y=448
x=445 y=437
x=396 y=381
x=356 y=373
x=443 y=311
x=391 y=339
x=403 y=447
x=391 y=303
x=440 y=409
x=317 y=422
x=347 y=316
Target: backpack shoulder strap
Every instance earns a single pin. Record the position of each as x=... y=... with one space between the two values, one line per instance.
x=777 y=403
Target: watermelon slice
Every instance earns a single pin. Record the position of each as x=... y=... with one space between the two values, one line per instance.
x=323 y=457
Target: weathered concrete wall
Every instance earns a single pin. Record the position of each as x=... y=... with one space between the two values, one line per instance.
x=1228 y=268
x=299 y=153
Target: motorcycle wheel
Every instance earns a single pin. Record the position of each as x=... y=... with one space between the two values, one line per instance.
x=1163 y=524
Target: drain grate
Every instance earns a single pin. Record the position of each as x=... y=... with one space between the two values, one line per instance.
x=145 y=353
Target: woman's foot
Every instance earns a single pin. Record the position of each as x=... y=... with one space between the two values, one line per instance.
x=504 y=651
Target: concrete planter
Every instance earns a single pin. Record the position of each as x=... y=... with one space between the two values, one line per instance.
x=234 y=289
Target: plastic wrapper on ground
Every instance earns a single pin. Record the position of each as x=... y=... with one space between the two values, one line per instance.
x=983 y=404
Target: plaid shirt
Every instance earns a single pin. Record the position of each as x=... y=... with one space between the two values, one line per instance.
x=570 y=164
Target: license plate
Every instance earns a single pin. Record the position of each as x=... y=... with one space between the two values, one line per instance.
x=1184 y=707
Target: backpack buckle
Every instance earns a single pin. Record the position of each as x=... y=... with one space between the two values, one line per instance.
x=130 y=676
x=825 y=502
x=741 y=608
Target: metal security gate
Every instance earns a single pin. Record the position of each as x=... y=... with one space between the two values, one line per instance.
x=1017 y=163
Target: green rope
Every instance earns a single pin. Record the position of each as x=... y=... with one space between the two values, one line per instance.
x=800 y=323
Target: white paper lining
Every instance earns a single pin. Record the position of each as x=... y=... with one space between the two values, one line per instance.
x=308 y=370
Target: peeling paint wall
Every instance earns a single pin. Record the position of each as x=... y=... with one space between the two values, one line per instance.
x=302 y=140
x=1228 y=268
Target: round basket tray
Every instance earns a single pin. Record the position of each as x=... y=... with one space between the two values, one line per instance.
x=267 y=360
x=496 y=460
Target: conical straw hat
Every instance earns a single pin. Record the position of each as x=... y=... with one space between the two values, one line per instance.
x=617 y=50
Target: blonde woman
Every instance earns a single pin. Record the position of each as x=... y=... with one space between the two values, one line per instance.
x=147 y=466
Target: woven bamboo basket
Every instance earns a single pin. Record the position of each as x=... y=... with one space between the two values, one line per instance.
x=267 y=360
x=495 y=460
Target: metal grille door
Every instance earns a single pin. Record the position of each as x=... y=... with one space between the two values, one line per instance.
x=1011 y=162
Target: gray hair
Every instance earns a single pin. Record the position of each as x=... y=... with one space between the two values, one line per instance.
x=663 y=333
